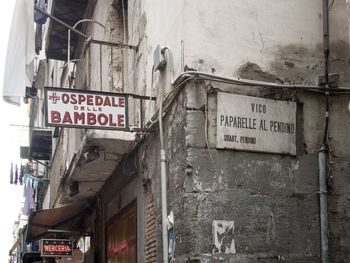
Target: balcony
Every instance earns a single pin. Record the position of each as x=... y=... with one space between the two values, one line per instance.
x=69 y=12
x=92 y=164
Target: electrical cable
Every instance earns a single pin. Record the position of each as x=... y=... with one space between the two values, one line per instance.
x=206 y=109
x=172 y=73
x=151 y=96
x=194 y=75
x=245 y=82
x=191 y=75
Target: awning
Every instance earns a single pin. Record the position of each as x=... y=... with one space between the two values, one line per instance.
x=66 y=218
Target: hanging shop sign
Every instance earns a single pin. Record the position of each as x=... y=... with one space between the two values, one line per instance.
x=74 y=108
x=255 y=124
x=56 y=247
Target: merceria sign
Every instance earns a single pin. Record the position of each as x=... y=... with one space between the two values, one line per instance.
x=86 y=109
x=56 y=247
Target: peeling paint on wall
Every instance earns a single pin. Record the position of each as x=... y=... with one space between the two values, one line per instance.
x=223 y=237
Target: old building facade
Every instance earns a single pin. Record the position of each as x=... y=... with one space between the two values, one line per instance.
x=189 y=68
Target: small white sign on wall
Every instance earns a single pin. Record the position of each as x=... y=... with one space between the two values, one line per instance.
x=223 y=237
x=255 y=124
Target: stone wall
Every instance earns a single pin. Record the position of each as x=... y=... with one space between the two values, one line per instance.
x=272 y=199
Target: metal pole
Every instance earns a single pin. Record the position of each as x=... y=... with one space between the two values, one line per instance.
x=323 y=204
x=112 y=67
x=89 y=67
x=324 y=148
x=100 y=67
x=120 y=45
x=164 y=205
x=163 y=182
x=326 y=66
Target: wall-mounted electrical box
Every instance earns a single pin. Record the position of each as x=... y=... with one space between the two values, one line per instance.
x=159 y=58
x=334 y=79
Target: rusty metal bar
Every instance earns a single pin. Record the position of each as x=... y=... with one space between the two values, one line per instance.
x=142 y=130
x=141 y=113
x=94 y=41
x=135 y=96
x=75 y=25
x=112 y=67
x=100 y=67
x=123 y=71
x=89 y=67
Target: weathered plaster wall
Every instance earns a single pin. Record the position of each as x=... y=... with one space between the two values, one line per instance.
x=227 y=34
x=165 y=26
x=152 y=23
x=56 y=171
x=46 y=201
x=222 y=37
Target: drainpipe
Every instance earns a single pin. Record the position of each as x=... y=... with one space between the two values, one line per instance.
x=324 y=147
x=163 y=179
x=323 y=204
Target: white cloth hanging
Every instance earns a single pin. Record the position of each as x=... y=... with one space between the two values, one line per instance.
x=29 y=203
x=19 y=68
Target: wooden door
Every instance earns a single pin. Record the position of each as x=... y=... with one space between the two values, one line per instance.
x=121 y=237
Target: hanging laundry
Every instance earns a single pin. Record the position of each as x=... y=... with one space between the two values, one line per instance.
x=29 y=199
x=16 y=175
x=23 y=169
x=11 y=174
x=21 y=176
x=26 y=179
x=39 y=17
x=29 y=180
x=38 y=38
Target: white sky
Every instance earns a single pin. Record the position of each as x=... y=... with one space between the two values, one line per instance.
x=11 y=196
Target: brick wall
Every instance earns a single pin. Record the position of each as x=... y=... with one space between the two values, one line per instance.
x=150 y=230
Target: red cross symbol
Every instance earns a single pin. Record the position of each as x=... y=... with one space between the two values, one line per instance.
x=54 y=97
